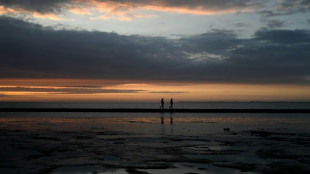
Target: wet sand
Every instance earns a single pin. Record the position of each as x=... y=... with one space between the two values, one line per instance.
x=143 y=110
x=106 y=143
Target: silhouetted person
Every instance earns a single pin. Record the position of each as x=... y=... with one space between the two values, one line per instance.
x=162 y=103
x=171 y=103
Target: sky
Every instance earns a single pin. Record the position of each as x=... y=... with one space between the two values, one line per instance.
x=143 y=50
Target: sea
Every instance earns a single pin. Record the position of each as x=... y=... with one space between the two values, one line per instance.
x=197 y=123
x=155 y=105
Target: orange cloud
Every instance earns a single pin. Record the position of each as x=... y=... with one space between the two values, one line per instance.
x=4 y=10
x=126 y=11
x=79 y=11
x=45 y=16
x=57 y=82
x=115 y=90
x=111 y=10
x=114 y=7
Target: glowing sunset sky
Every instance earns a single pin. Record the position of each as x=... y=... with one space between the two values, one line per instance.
x=136 y=50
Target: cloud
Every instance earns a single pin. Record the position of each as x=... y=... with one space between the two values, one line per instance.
x=124 y=10
x=241 y=24
x=40 y=6
x=35 y=8
x=36 y=14
x=127 y=10
x=193 y=6
x=6 y=10
x=291 y=6
x=286 y=7
x=79 y=11
x=67 y=90
x=168 y=92
x=275 y=24
x=284 y=36
x=272 y=56
x=82 y=86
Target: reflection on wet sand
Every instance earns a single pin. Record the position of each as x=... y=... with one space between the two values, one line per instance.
x=162 y=118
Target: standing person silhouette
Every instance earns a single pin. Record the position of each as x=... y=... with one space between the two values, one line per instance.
x=162 y=103
x=171 y=103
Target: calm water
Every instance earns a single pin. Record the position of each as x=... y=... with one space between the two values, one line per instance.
x=209 y=121
x=177 y=105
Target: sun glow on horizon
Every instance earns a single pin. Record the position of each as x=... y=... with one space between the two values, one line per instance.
x=114 y=90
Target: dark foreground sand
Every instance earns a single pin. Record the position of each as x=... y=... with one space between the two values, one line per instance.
x=140 y=144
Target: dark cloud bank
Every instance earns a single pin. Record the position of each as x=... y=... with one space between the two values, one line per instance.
x=272 y=56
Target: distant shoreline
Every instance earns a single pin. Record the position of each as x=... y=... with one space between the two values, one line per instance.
x=244 y=102
x=155 y=110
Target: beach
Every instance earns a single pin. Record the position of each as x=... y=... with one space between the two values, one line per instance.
x=142 y=143
x=154 y=87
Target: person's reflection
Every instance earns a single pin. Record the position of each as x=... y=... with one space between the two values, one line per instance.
x=162 y=121
x=171 y=117
x=162 y=118
x=171 y=123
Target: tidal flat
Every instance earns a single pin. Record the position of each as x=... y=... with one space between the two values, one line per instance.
x=111 y=143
